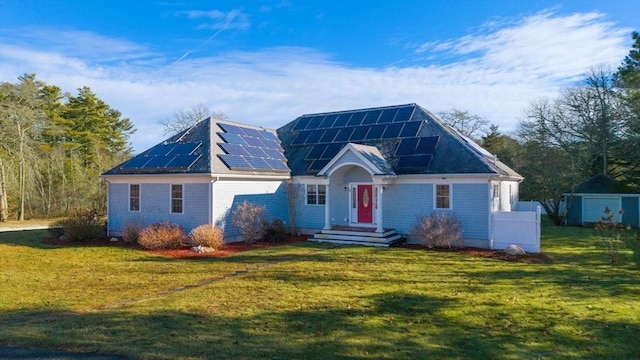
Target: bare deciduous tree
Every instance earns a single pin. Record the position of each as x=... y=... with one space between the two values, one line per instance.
x=470 y=125
x=187 y=118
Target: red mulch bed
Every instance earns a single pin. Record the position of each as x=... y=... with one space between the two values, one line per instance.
x=234 y=248
x=530 y=258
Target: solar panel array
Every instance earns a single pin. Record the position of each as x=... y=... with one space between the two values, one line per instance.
x=251 y=149
x=327 y=134
x=173 y=156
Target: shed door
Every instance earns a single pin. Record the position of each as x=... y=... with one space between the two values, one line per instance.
x=365 y=204
x=593 y=208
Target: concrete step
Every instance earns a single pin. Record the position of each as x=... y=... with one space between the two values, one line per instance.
x=356 y=237
x=367 y=233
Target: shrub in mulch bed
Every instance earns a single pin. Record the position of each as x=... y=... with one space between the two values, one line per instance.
x=531 y=258
x=183 y=252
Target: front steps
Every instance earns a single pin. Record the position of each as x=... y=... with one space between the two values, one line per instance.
x=357 y=236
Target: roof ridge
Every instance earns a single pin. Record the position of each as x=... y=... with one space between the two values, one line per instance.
x=357 y=110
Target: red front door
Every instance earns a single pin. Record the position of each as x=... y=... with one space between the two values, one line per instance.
x=365 y=204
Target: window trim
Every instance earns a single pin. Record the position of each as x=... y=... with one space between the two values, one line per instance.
x=131 y=198
x=171 y=199
x=449 y=196
x=316 y=194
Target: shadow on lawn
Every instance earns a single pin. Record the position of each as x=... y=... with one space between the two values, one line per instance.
x=390 y=325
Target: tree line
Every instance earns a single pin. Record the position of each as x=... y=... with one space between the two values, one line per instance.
x=588 y=129
x=53 y=148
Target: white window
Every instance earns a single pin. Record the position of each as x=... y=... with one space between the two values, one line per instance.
x=496 y=191
x=443 y=196
x=134 y=197
x=316 y=194
x=176 y=199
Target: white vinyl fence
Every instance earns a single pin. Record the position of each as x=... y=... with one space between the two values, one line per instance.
x=520 y=228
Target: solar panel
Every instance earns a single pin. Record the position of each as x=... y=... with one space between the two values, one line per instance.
x=328 y=121
x=359 y=133
x=158 y=161
x=332 y=150
x=410 y=129
x=317 y=165
x=252 y=141
x=356 y=118
x=407 y=147
x=258 y=163
x=375 y=132
x=250 y=132
x=404 y=114
x=234 y=149
x=256 y=152
x=301 y=124
x=268 y=135
x=316 y=152
x=342 y=120
x=235 y=162
x=273 y=153
x=232 y=138
x=372 y=117
x=162 y=149
x=314 y=123
x=414 y=161
x=277 y=165
x=427 y=145
x=329 y=135
x=184 y=148
x=387 y=116
x=301 y=138
x=183 y=161
x=392 y=131
x=232 y=129
x=343 y=135
x=136 y=163
x=314 y=137
x=269 y=144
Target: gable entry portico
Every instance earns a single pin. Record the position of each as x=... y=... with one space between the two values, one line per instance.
x=363 y=173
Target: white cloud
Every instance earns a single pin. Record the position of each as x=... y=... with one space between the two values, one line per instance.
x=234 y=19
x=495 y=74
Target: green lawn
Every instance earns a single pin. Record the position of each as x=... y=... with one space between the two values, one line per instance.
x=311 y=301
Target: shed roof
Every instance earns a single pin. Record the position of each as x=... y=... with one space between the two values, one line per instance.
x=602 y=184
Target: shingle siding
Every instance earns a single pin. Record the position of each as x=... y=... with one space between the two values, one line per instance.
x=118 y=207
x=155 y=202
x=310 y=216
x=471 y=208
x=404 y=203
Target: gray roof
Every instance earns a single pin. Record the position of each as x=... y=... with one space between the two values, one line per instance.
x=407 y=140
x=411 y=139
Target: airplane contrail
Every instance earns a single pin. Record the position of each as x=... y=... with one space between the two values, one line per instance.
x=229 y=17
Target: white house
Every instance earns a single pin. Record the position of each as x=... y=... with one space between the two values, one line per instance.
x=362 y=176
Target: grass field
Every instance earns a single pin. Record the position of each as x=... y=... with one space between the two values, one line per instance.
x=312 y=301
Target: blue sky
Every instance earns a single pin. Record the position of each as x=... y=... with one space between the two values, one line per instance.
x=267 y=62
